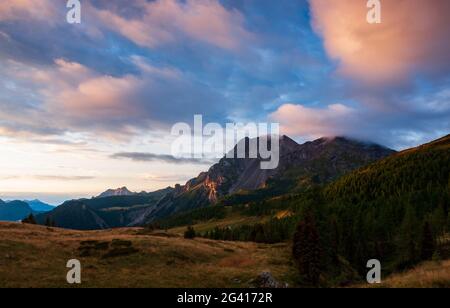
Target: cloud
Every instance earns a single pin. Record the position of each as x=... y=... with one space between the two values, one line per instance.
x=166 y=21
x=176 y=178
x=86 y=79
x=50 y=177
x=398 y=130
x=298 y=120
x=149 y=157
x=79 y=99
x=42 y=10
x=62 y=178
x=412 y=38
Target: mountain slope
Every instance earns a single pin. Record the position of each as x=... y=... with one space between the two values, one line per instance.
x=426 y=167
x=317 y=162
x=14 y=210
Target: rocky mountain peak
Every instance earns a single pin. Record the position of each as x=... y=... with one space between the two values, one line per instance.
x=123 y=191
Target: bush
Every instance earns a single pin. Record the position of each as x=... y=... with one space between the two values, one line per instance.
x=29 y=220
x=190 y=233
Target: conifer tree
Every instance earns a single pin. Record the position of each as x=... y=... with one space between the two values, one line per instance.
x=29 y=220
x=307 y=250
x=439 y=221
x=428 y=244
x=408 y=238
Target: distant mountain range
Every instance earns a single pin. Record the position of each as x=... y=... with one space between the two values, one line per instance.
x=301 y=166
x=18 y=210
x=102 y=213
x=39 y=206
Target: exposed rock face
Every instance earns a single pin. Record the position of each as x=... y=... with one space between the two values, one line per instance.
x=265 y=280
x=116 y=192
x=325 y=158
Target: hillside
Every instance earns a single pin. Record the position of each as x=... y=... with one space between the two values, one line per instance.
x=426 y=167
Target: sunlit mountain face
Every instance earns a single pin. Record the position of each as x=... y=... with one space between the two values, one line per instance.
x=89 y=106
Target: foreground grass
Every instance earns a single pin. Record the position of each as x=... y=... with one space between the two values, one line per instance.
x=433 y=274
x=36 y=256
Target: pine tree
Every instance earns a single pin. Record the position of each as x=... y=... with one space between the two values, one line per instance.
x=408 y=238
x=428 y=244
x=334 y=240
x=448 y=222
x=438 y=221
x=307 y=250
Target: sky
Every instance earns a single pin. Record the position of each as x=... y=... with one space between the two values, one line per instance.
x=90 y=106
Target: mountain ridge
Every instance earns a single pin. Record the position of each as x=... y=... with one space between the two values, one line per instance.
x=320 y=161
x=315 y=162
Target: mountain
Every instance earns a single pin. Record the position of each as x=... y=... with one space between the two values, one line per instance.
x=317 y=162
x=396 y=209
x=14 y=210
x=39 y=206
x=102 y=213
x=300 y=166
x=116 y=192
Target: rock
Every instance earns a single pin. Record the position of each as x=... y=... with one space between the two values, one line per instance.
x=266 y=280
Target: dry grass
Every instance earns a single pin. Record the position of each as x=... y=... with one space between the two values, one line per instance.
x=427 y=275
x=35 y=256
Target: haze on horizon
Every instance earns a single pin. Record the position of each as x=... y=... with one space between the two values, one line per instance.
x=73 y=96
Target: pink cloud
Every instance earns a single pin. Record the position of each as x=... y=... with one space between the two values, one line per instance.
x=79 y=99
x=165 y=21
x=298 y=120
x=27 y=9
x=413 y=37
